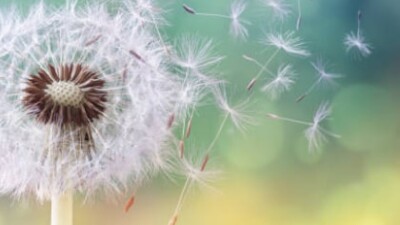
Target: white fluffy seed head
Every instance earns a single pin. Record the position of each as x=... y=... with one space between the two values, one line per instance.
x=123 y=140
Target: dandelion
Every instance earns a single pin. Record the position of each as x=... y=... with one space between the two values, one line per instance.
x=282 y=81
x=89 y=100
x=315 y=133
x=288 y=42
x=357 y=42
x=238 y=26
x=323 y=77
x=280 y=9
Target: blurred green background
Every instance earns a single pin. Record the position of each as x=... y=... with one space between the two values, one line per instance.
x=268 y=175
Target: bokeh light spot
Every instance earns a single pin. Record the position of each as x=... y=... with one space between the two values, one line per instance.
x=365 y=118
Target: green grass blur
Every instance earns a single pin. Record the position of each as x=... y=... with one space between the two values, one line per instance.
x=268 y=175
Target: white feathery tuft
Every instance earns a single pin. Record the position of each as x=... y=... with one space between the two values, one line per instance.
x=238 y=26
x=283 y=81
x=279 y=8
x=316 y=134
x=322 y=74
x=288 y=42
x=357 y=43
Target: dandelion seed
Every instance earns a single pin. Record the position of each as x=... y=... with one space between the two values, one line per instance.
x=171 y=120
x=323 y=77
x=238 y=26
x=181 y=149
x=357 y=42
x=315 y=133
x=280 y=9
x=204 y=164
x=196 y=56
x=129 y=204
x=195 y=175
x=263 y=68
x=188 y=128
x=251 y=84
x=94 y=40
x=282 y=82
x=137 y=56
x=238 y=114
x=188 y=9
x=287 y=42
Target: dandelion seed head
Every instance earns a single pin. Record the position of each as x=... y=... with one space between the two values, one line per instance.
x=69 y=94
x=357 y=43
x=80 y=112
x=287 y=42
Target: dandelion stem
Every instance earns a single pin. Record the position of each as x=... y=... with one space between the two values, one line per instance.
x=210 y=147
x=290 y=120
x=181 y=200
x=258 y=64
x=299 y=15
x=189 y=179
x=213 y=15
x=159 y=34
x=62 y=209
x=263 y=68
x=268 y=62
x=310 y=89
x=359 y=15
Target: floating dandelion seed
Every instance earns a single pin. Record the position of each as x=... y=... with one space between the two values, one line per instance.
x=357 y=41
x=288 y=42
x=280 y=9
x=315 y=133
x=238 y=26
x=323 y=77
x=196 y=56
x=238 y=114
x=282 y=82
x=197 y=174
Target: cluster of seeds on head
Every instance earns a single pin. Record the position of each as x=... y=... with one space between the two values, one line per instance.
x=65 y=93
x=69 y=94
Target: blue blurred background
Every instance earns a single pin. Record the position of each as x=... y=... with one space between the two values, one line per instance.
x=268 y=174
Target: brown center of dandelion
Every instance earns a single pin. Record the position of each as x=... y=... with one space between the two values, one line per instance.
x=69 y=94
